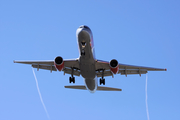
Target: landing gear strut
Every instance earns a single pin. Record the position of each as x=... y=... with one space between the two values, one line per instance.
x=102 y=80
x=83 y=43
x=72 y=79
x=82 y=52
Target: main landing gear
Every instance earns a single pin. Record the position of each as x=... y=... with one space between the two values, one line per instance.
x=72 y=79
x=102 y=80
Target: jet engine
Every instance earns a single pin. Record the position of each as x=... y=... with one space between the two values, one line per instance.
x=59 y=63
x=114 y=66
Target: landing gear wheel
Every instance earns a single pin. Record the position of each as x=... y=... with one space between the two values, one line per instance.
x=71 y=79
x=102 y=81
x=82 y=52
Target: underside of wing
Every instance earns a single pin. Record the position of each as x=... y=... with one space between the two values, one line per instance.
x=132 y=69
x=46 y=64
x=69 y=65
x=103 y=68
x=125 y=66
x=102 y=65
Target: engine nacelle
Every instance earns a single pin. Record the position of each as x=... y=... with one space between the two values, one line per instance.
x=59 y=63
x=114 y=66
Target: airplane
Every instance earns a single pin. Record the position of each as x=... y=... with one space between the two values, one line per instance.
x=88 y=66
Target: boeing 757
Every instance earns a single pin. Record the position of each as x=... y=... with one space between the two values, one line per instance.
x=88 y=66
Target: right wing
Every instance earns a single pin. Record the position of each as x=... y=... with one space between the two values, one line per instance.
x=123 y=69
x=49 y=65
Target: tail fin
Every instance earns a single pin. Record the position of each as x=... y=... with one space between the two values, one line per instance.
x=81 y=87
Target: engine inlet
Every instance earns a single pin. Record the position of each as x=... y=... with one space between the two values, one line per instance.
x=58 y=60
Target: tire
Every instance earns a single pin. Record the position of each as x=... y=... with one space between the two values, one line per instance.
x=103 y=81
x=100 y=81
x=73 y=79
x=70 y=79
x=82 y=53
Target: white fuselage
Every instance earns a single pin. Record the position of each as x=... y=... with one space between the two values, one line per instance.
x=87 y=57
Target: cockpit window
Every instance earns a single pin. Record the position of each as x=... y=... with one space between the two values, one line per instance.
x=86 y=27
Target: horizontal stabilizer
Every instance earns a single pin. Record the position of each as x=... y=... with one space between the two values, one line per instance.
x=76 y=87
x=98 y=88
x=108 y=89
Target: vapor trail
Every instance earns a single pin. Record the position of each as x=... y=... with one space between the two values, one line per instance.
x=40 y=95
x=147 y=98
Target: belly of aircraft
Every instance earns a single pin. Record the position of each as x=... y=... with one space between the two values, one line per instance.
x=91 y=84
x=86 y=60
x=88 y=70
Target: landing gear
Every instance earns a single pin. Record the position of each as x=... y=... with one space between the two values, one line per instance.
x=102 y=80
x=82 y=52
x=71 y=79
x=83 y=43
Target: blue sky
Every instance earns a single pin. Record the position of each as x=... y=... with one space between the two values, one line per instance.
x=145 y=33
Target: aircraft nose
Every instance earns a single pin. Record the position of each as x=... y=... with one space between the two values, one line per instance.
x=83 y=30
x=84 y=26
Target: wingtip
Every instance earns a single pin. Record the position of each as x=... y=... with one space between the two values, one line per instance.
x=14 y=61
x=165 y=69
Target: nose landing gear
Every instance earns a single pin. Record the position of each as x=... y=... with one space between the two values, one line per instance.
x=83 y=43
x=82 y=52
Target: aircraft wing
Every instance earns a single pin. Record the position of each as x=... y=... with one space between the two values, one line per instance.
x=123 y=69
x=49 y=65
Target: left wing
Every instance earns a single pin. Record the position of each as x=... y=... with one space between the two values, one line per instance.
x=49 y=65
x=123 y=69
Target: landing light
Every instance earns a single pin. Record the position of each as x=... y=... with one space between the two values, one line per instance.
x=83 y=44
